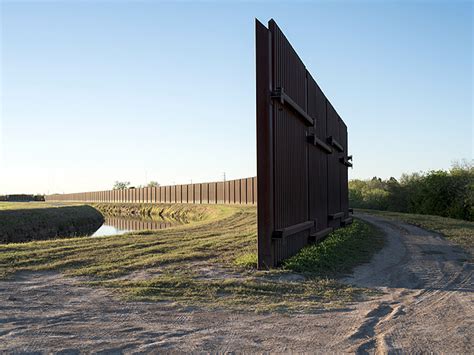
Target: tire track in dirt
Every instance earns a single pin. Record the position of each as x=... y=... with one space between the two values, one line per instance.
x=429 y=289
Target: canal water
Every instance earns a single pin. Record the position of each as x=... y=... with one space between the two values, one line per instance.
x=121 y=225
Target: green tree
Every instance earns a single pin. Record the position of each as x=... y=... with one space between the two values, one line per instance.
x=121 y=185
x=444 y=193
x=153 y=184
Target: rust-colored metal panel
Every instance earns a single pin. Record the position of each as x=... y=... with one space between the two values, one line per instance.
x=167 y=194
x=162 y=194
x=204 y=193
x=255 y=190
x=344 y=163
x=184 y=193
x=173 y=194
x=220 y=192
x=249 y=187
x=227 y=192
x=264 y=145
x=197 y=193
x=179 y=198
x=300 y=182
x=237 y=191
x=243 y=191
x=190 y=193
x=212 y=192
x=334 y=171
x=232 y=191
x=318 y=157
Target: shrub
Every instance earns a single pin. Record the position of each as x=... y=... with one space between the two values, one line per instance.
x=443 y=193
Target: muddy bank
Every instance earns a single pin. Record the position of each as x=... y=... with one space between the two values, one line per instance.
x=24 y=225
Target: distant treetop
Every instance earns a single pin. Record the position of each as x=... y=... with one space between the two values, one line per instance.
x=121 y=185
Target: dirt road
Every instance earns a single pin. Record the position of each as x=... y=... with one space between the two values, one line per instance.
x=427 y=306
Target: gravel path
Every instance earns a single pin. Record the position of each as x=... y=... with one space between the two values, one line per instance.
x=427 y=306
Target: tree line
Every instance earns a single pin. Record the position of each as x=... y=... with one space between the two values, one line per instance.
x=447 y=193
x=123 y=185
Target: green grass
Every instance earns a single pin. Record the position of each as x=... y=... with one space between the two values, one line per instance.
x=458 y=231
x=208 y=263
x=341 y=251
x=248 y=260
x=30 y=205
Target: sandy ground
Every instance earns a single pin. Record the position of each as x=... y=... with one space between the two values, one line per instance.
x=427 y=306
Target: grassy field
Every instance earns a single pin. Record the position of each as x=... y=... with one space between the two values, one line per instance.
x=458 y=231
x=29 y=205
x=207 y=263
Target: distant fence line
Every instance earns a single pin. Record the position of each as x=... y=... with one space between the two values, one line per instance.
x=239 y=191
x=21 y=198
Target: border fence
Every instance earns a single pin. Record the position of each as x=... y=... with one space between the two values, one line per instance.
x=302 y=160
x=239 y=191
x=302 y=156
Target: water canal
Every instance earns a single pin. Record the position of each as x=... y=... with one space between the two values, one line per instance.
x=115 y=225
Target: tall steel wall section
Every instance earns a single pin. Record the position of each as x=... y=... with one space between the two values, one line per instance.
x=301 y=153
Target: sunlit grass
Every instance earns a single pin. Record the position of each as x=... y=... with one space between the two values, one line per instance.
x=209 y=262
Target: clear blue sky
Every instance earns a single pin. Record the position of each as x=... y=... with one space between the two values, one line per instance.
x=93 y=92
